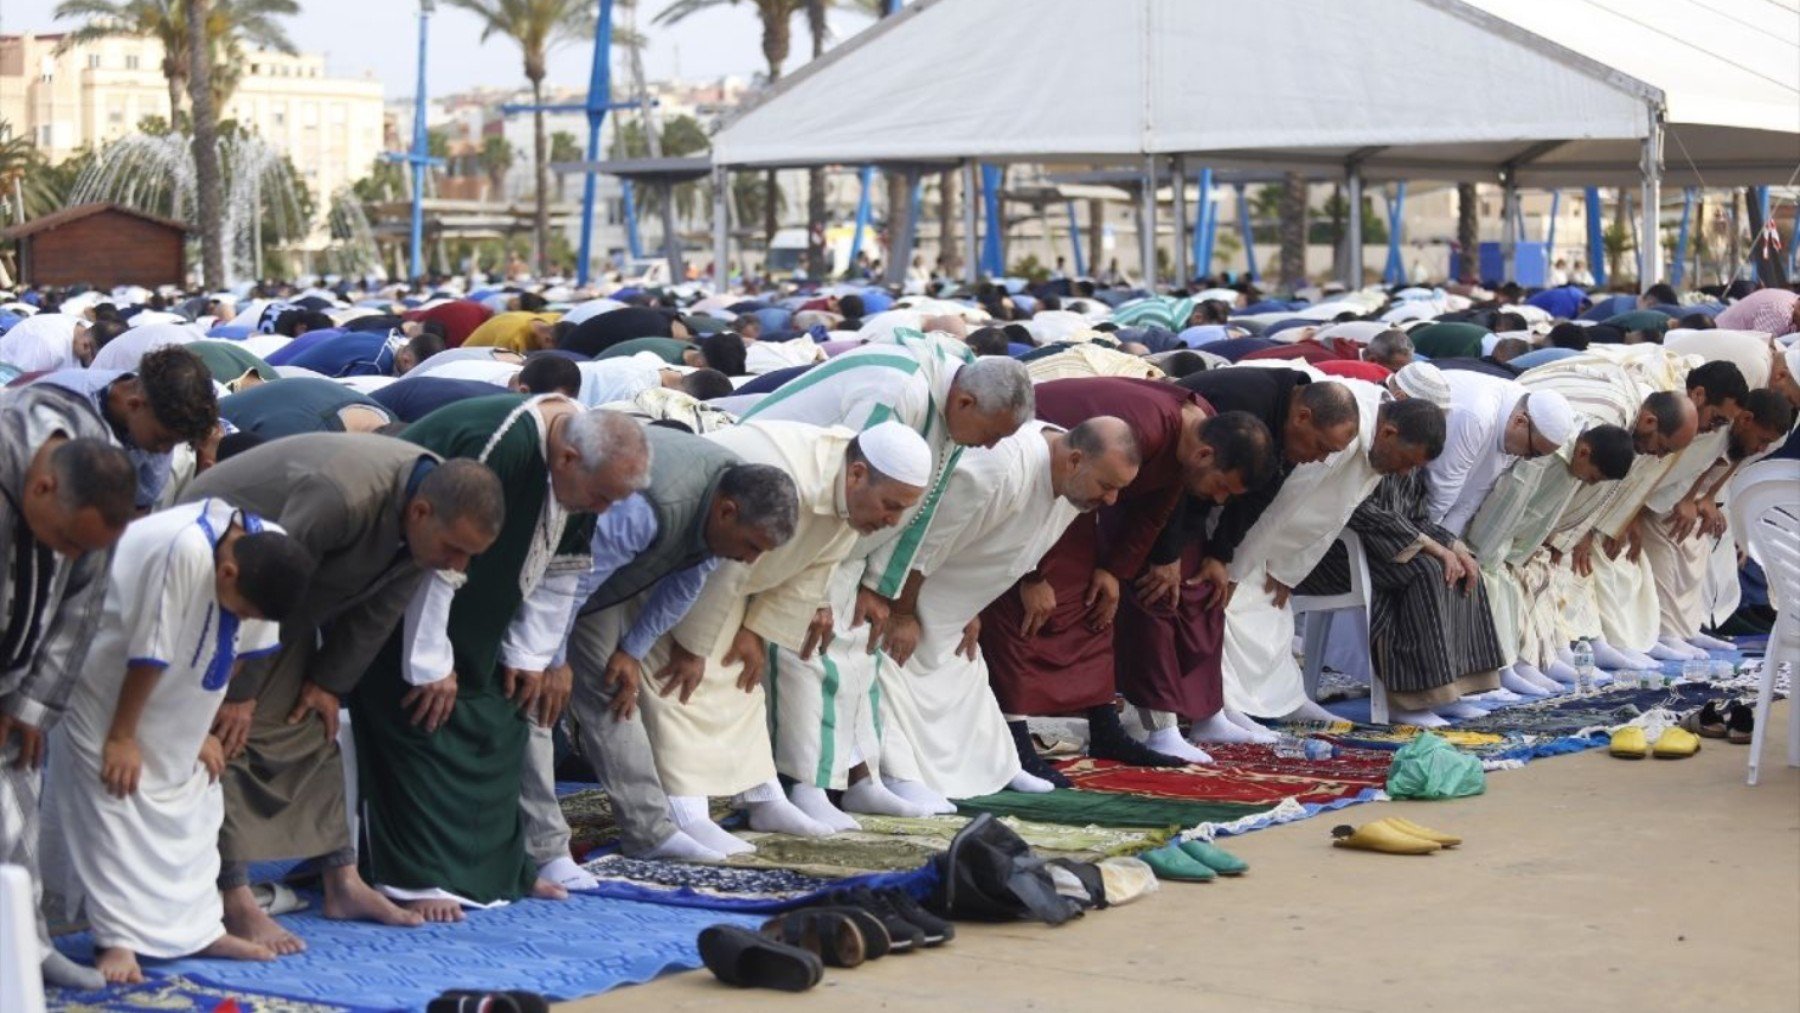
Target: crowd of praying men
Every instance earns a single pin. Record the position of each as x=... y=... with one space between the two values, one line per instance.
x=345 y=576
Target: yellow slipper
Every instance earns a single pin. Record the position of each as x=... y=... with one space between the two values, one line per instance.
x=1383 y=837
x=1628 y=743
x=1676 y=744
x=1409 y=827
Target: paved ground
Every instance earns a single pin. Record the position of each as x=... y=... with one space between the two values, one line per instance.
x=1586 y=883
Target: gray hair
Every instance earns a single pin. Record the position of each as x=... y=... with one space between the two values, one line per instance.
x=602 y=437
x=1389 y=345
x=1103 y=433
x=998 y=384
x=766 y=499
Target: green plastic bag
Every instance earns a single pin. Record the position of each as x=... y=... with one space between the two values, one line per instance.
x=1429 y=767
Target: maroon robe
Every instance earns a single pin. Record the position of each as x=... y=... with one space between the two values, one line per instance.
x=1067 y=667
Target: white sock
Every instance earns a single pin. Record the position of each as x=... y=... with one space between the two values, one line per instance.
x=813 y=801
x=1170 y=742
x=1530 y=673
x=779 y=816
x=566 y=874
x=1219 y=728
x=681 y=847
x=1309 y=711
x=920 y=794
x=61 y=971
x=1497 y=696
x=1687 y=651
x=1706 y=643
x=1418 y=719
x=1029 y=783
x=1608 y=656
x=1514 y=681
x=1566 y=656
x=1641 y=660
x=870 y=796
x=1460 y=710
x=1561 y=671
x=1664 y=652
x=691 y=815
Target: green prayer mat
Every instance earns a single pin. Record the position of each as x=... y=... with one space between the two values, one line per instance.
x=893 y=843
x=1106 y=809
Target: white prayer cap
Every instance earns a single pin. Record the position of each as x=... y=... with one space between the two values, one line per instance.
x=1425 y=382
x=1551 y=415
x=1792 y=355
x=897 y=452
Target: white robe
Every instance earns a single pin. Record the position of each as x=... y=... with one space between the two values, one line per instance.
x=1286 y=542
x=940 y=721
x=144 y=867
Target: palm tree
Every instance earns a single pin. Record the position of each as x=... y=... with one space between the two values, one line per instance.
x=209 y=178
x=496 y=158
x=777 y=38
x=563 y=148
x=1466 y=234
x=229 y=24
x=537 y=26
x=1290 y=230
x=815 y=176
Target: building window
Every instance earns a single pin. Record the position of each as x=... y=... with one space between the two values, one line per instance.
x=93 y=61
x=116 y=117
x=132 y=61
x=44 y=136
x=256 y=68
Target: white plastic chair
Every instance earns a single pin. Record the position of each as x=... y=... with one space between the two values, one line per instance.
x=21 y=984
x=1316 y=611
x=1765 y=510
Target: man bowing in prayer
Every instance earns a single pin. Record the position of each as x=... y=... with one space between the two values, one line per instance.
x=1002 y=510
x=379 y=515
x=935 y=386
x=1048 y=640
x=441 y=792
x=66 y=495
x=707 y=721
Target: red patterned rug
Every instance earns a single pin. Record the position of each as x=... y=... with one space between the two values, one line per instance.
x=1241 y=773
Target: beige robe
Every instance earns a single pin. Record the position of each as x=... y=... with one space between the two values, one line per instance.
x=718 y=742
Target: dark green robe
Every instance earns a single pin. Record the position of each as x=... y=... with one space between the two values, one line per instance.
x=442 y=810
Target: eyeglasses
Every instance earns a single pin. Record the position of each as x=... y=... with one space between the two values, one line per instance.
x=1531 y=442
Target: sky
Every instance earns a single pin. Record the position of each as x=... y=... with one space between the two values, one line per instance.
x=380 y=37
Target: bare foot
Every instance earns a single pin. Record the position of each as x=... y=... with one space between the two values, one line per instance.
x=230 y=947
x=436 y=910
x=245 y=919
x=357 y=901
x=543 y=889
x=119 y=965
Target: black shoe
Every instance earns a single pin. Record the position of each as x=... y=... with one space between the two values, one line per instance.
x=937 y=930
x=903 y=935
x=1740 y=723
x=737 y=956
x=1107 y=740
x=1029 y=760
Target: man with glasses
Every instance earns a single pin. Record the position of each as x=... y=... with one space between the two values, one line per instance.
x=1491 y=423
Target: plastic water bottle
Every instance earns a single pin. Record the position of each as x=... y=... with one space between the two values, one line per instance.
x=1290 y=747
x=1584 y=666
x=1319 y=749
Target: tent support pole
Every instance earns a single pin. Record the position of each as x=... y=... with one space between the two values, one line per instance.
x=1678 y=270
x=1203 y=222
x=1075 y=241
x=1178 y=182
x=971 y=242
x=1596 y=237
x=1244 y=229
x=1147 y=224
x=721 y=230
x=1395 y=271
x=1509 y=235
x=1353 y=233
x=1550 y=235
x=1649 y=237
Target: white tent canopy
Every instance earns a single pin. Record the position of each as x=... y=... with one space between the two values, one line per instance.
x=1554 y=94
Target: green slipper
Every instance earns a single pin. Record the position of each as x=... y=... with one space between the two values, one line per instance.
x=1173 y=864
x=1215 y=858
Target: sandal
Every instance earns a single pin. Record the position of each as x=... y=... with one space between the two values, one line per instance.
x=737 y=956
x=1740 y=723
x=1707 y=722
x=833 y=935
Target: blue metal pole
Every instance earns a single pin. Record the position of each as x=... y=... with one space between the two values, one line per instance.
x=1794 y=243
x=628 y=198
x=1394 y=271
x=992 y=255
x=1678 y=269
x=1761 y=193
x=913 y=208
x=1244 y=227
x=1550 y=236
x=1203 y=215
x=599 y=96
x=420 y=151
x=867 y=178
x=1596 y=237
x=1075 y=241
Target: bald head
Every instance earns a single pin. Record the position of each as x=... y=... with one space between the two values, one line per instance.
x=949 y=323
x=1667 y=422
x=1092 y=462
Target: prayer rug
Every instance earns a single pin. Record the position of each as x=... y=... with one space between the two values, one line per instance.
x=734 y=887
x=591 y=822
x=894 y=842
x=561 y=949
x=1239 y=773
x=174 y=994
x=1108 y=809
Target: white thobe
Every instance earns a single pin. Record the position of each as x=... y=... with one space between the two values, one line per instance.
x=1000 y=514
x=1474 y=446
x=145 y=867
